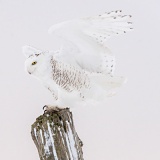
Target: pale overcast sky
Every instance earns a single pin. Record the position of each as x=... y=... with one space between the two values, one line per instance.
x=125 y=127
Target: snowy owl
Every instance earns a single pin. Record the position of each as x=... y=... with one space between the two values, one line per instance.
x=84 y=68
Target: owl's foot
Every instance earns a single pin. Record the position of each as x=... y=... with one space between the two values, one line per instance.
x=49 y=109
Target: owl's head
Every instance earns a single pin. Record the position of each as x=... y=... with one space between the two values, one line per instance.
x=37 y=62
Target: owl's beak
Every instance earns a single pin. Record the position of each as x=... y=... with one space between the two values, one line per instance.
x=31 y=72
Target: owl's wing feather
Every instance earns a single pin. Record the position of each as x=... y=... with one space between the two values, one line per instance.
x=99 y=27
x=105 y=26
x=86 y=37
x=29 y=51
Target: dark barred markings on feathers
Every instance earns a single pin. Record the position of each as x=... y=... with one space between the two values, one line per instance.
x=69 y=78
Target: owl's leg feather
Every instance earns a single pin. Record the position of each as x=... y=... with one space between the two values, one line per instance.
x=53 y=90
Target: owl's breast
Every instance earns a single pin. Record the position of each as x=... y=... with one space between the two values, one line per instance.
x=68 y=77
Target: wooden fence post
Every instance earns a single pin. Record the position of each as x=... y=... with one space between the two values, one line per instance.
x=55 y=137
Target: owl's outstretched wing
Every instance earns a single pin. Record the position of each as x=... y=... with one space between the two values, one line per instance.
x=29 y=51
x=86 y=38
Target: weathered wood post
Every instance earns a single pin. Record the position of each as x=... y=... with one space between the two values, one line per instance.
x=55 y=137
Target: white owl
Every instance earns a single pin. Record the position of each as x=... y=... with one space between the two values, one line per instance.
x=84 y=68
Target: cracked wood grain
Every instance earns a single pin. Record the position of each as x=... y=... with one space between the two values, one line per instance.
x=55 y=136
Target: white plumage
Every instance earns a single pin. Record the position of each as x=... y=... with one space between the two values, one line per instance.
x=84 y=68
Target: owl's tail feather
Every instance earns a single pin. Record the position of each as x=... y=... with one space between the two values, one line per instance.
x=107 y=84
x=108 y=81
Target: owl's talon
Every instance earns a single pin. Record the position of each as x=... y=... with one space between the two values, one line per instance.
x=49 y=109
x=45 y=111
x=45 y=107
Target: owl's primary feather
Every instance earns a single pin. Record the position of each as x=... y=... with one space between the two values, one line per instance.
x=86 y=39
x=84 y=68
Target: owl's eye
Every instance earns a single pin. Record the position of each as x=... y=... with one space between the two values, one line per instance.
x=34 y=63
